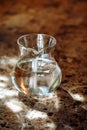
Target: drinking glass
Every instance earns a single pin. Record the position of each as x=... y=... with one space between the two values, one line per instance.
x=36 y=72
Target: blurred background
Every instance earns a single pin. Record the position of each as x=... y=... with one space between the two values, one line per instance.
x=66 y=20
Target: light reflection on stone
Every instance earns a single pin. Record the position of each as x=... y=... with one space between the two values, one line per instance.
x=35 y=114
x=77 y=97
x=14 y=104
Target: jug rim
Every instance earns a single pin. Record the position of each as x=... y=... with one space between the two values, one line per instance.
x=36 y=34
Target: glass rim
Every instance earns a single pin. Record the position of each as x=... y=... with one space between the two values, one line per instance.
x=36 y=34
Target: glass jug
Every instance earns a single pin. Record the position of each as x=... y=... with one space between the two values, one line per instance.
x=36 y=72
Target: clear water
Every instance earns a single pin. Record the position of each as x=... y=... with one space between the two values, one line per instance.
x=37 y=77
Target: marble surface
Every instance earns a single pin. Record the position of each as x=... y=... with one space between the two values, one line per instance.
x=67 y=22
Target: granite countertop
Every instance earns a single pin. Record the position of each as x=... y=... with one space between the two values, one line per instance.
x=67 y=22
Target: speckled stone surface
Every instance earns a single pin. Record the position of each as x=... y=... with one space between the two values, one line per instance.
x=67 y=22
